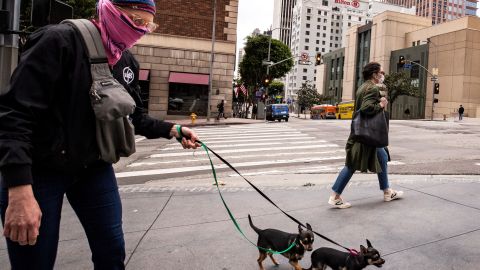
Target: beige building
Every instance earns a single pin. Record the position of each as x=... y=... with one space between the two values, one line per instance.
x=175 y=60
x=454 y=48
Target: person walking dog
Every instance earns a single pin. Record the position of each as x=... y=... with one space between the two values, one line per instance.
x=48 y=142
x=369 y=101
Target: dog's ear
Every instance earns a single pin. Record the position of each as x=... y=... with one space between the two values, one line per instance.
x=300 y=228
x=369 y=244
x=363 y=249
x=309 y=227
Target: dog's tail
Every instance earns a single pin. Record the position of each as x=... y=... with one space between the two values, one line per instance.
x=257 y=230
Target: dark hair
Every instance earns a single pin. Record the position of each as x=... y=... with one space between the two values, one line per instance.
x=369 y=69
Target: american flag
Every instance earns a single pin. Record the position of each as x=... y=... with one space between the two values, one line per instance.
x=243 y=89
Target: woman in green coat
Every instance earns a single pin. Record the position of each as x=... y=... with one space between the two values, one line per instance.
x=369 y=100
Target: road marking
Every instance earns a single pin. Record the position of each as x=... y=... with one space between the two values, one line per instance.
x=395 y=163
x=187 y=153
x=251 y=135
x=477 y=164
x=269 y=131
x=139 y=138
x=296 y=137
x=221 y=166
x=239 y=137
x=258 y=155
x=216 y=146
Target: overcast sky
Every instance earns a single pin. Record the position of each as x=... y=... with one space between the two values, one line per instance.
x=253 y=14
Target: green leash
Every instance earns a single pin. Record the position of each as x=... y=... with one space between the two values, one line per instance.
x=231 y=215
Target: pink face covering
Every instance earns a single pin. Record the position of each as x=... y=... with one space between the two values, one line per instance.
x=119 y=32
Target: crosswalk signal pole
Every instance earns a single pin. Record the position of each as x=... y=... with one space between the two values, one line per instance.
x=9 y=24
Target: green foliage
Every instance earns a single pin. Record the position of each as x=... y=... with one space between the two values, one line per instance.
x=308 y=96
x=275 y=88
x=398 y=84
x=82 y=9
x=256 y=50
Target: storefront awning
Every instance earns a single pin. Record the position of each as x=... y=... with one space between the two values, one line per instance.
x=143 y=74
x=188 y=78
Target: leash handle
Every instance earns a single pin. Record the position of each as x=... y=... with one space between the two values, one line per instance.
x=351 y=251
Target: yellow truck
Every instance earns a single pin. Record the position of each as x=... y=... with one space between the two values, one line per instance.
x=345 y=109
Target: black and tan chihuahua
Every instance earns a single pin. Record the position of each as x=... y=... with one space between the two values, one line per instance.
x=278 y=241
x=335 y=259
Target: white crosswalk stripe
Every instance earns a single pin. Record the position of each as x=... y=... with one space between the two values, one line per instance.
x=257 y=149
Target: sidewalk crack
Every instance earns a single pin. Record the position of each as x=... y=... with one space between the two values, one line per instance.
x=148 y=229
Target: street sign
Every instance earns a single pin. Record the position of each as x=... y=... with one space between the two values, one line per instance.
x=301 y=62
x=267 y=63
x=434 y=79
x=407 y=66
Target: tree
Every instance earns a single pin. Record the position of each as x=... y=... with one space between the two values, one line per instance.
x=82 y=9
x=252 y=71
x=276 y=88
x=398 y=84
x=308 y=96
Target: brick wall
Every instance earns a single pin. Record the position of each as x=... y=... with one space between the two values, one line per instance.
x=193 y=18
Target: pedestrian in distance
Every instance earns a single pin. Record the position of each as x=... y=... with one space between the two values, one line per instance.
x=254 y=111
x=460 y=113
x=48 y=145
x=221 y=109
x=360 y=156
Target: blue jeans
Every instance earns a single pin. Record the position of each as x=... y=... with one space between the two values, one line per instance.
x=347 y=173
x=93 y=195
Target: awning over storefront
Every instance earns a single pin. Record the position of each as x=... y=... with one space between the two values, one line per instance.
x=143 y=74
x=188 y=78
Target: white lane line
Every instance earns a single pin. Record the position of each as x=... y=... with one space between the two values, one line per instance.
x=249 y=136
x=188 y=153
x=257 y=132
x=334 y=167
x=243 y=131
x=296 y=137
x=258 y=155
x=395 y=163
x=221 y=166
x=477 y=164
x=216 y=146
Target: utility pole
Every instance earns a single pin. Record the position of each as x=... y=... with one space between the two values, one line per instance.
x=9 y=26
x=212 y=58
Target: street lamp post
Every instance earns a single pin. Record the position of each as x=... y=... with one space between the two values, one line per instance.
x=435 y=74
x=269 y=63
x=212 y=57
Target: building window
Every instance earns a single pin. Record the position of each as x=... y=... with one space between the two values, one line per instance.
x=324 y=20
x=323 y=49
x=330 y=46
x=325 y=3
x=306 y=47
x=336 y=31
x=307 y=33
x=317 y=42
x=349 y=17
x=359 y=19
x=304 y=78
x=349 y=24
x=331 y=31
x=309 y=10
x=338 y=24
x=318 y=34
x=315 y=78
x=319 y=12
x=331 y=38
x=308 y=18
x=318 y=27
x=307 y=40
x=308 y=25
x=336 y=38
x=325 y=13
x=336 y=45
x=324 y=35
x=324 y=28
x=338 y=17
x=323 y=42
x=305 y=70
x=316 y=49
x=318 y=20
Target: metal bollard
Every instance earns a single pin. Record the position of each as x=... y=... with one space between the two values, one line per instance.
x=193 y=117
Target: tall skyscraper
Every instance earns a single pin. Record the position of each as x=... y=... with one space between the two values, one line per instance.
x=282 y=18
x=440 y=10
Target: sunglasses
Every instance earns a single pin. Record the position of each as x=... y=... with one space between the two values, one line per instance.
x=139 y=21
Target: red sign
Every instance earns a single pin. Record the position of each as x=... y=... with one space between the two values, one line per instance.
x=354 y=3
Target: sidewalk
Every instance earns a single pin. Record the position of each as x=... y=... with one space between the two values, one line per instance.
x=435 y=226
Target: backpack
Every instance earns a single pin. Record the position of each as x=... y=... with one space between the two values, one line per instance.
x=111 y=102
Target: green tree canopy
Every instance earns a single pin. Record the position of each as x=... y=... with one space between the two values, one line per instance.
x=276 y=88
x=398 y=84
x=308 y=96
x=256 y=50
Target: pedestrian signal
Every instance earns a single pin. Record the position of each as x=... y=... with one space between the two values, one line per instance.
x=436 y=88
x=435 y=100
x=318 y=59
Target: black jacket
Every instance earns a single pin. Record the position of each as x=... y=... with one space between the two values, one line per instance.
x=46 y=120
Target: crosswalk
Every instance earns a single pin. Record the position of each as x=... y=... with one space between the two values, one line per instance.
x=254 y=149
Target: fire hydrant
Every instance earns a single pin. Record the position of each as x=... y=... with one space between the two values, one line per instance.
x=193 y=117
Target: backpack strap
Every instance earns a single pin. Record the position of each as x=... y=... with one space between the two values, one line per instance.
x=91 y=39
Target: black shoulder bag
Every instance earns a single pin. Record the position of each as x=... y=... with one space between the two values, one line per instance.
x=370 y=130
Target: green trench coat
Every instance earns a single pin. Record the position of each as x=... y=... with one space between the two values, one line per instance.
x=359 y=156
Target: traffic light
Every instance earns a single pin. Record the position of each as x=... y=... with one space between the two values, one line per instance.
x=435 y=100
x=318 y=59
x=436 y=88
x=401 y=61
x=50 y=12
x=266 y=81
